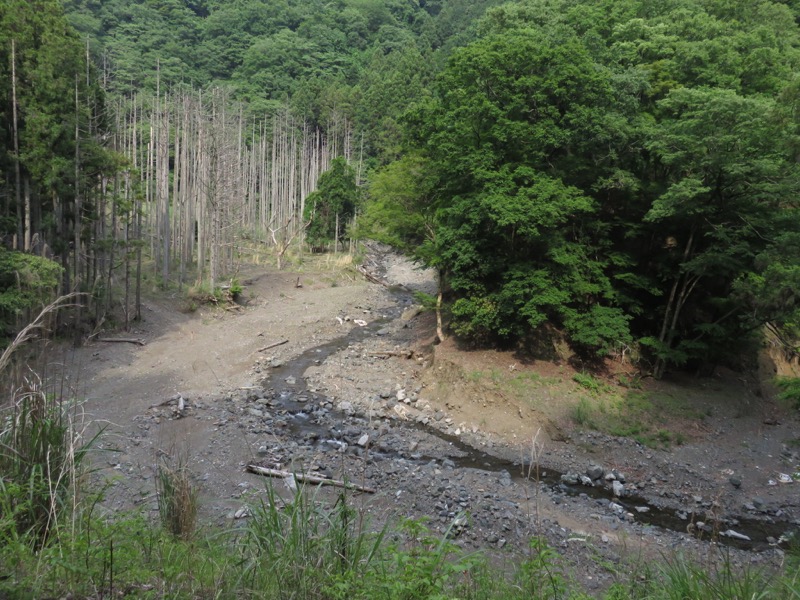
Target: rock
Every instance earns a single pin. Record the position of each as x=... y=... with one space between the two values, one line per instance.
x=735 y=535
x=587 y=481
x=384 y=331
x=401 y=395
x=291 y=380
x=241 y=513
x=758 y=502
x=618 y=488
x=410 y=313
x=275 y=363
x=642 y=509
x=617 y=508
x=595 y=472
x=735 y=481
x=505 y=478
x=363 y=440
x=254 y=412
x=569 y=478
x=346 y=407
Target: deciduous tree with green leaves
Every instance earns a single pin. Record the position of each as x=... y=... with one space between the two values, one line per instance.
x=330 y=208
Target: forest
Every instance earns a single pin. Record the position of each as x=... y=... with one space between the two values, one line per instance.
x=619 y=174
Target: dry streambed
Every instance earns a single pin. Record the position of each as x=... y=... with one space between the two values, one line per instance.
x=352 y=405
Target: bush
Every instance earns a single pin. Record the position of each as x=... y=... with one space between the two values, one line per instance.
x=789 y=390
x=26 y=282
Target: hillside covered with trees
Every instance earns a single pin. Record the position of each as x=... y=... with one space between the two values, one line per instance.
x=622 y=174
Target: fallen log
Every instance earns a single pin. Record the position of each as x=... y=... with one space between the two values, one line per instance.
x=307 y=478
x=273 y=345
x=124 y=340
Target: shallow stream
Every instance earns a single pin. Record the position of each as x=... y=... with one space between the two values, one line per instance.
x=292 y=395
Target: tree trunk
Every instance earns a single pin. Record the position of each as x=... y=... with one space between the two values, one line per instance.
x=15 y=126
x=672 y=310
x=440 y=288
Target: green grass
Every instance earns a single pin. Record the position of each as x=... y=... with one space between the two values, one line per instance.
x=307 y=548
x=592 y=384
x=638 y=415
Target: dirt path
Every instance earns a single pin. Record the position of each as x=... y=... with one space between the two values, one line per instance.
x=357 y=391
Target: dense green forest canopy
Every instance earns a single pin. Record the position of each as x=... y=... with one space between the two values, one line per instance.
x=625 y=172
x=619 y=172
x=365 y=59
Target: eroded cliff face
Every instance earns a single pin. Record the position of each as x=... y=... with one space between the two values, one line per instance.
x=775 y=360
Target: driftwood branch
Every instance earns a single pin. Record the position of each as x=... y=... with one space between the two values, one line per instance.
x=400 y=353
x=371 y=277
x=125 y=340
x=273 y=345
x=28 y=332
x=308 y=478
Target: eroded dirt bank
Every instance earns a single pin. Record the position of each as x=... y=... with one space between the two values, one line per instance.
x=356 y=390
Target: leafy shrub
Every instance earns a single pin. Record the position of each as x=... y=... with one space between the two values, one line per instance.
x=590 y=383
x=26 y=281
x=789 y=390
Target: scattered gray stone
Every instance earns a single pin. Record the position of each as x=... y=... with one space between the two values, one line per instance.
x=570 y=478
x=587 y=481
x=254 y=412
x=275 y=363
x=505 y=478
x=758 y=502
x=384 y=331
x=617 y=508
x=735 y=535
x=618 y=488
x=363 y=440
x=735 y=481
x=595 y=472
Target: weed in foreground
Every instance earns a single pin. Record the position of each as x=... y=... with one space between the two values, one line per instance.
x=582 y=413
x=301 y=549
x=177 y=497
